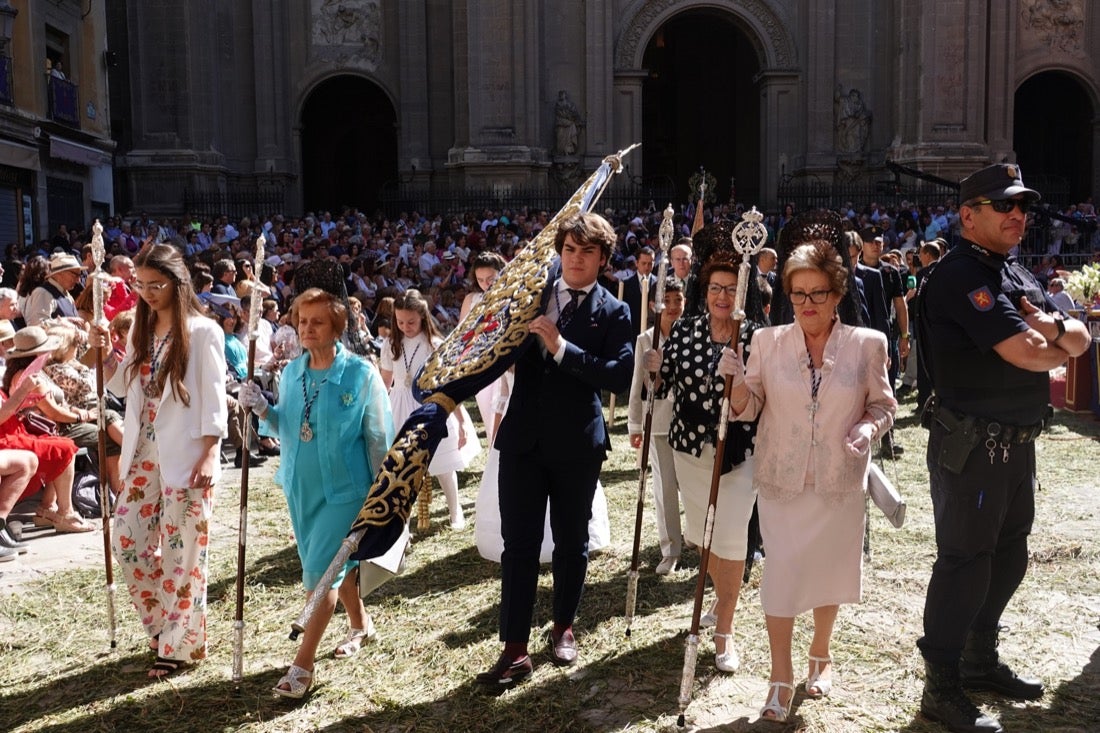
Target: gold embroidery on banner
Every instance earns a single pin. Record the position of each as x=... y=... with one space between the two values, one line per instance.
x=499 y=323
x=395 y=487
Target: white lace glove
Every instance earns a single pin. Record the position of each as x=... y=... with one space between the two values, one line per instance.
x=651 y=360
x=731 y=367
x=252 y=398
x=859 y=438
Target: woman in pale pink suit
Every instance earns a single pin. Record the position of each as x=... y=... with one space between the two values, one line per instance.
x=822 y=394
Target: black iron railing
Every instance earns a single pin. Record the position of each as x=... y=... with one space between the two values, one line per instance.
x=64 y=101
x=621 y=195
x=7 y=89
x=235 y=204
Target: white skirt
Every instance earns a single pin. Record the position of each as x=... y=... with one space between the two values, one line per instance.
x=735 y=499
x=490 y=543
x=814 y=553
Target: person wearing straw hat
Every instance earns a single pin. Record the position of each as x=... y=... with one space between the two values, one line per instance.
x=7 y=337
x=174 y=379
x=55 y=453
x=52 y=297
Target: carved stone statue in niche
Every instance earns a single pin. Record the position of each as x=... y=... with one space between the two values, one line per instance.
x=853 y=121
x=1057 y=23
x=567 y=125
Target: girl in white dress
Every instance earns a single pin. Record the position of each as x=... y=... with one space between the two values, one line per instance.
x=492 y=398
x=411 y=341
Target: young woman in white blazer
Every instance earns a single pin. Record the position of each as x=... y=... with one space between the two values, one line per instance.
x=173 y=378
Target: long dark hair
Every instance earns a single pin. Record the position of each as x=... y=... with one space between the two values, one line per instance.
x=412 y=300
x=167 y=260
x=34 y=274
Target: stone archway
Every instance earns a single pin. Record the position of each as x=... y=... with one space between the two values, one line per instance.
x=348 y=143
x=762 y=56
x=766 y=26
x=1054 y=135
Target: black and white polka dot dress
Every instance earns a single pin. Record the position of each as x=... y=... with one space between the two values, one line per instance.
x=687 y=371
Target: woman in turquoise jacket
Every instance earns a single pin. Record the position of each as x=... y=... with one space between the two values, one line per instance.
x=333 y=420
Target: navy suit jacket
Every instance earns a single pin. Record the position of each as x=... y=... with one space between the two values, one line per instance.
x=559 y=405
x=632 y=296
x=875 y=293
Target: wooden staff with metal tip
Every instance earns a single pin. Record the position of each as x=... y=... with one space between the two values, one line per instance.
x=611 y=407
x=749 y=237
x=697 y=223
x=254 y=312
x=665 y=238
x=98 y=283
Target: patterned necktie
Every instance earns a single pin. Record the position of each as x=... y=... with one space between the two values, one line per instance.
x=570 y=308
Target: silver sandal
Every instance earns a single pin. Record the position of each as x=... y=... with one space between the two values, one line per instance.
x=355 y=639
x=297 y=680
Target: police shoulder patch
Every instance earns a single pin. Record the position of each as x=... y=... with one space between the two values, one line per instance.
x=981 y=299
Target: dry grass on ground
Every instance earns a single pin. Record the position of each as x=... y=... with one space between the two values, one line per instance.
x=437 y=627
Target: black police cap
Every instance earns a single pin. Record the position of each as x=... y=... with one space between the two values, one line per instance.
x=995 y=182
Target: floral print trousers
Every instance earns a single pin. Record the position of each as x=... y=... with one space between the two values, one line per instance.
x=161 y=537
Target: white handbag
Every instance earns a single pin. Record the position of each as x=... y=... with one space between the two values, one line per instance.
x=885 y=496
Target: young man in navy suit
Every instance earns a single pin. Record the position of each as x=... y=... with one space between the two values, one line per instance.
x=553 y=441
x=632 y=291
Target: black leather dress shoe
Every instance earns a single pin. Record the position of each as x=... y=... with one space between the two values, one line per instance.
x=253 y=459
x=269 y=450
x=507 y=671
x=563 y=649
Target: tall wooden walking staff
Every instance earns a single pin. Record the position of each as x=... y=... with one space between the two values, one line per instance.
x=254 y=311
x=665 y=238
x=98 y=284
x=611 y=407
x=748 y=237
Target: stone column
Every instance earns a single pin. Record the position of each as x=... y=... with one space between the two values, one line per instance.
x=948 y=66
x=779 y=92
x=272 y=112
x=413 y=134
x=627 y=115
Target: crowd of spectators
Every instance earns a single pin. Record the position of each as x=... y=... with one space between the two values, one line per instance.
x=382 y=257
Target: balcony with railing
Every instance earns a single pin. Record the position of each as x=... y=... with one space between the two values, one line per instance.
x=64 y=101
x=7 y=91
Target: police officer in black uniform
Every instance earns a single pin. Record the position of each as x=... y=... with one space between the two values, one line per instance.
x=990 y=335
x=897 y=338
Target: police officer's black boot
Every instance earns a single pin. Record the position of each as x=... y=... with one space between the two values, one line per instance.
x=982 y=669
x=945 y=702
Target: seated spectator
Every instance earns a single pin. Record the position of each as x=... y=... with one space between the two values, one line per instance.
x=1061 y=298
x=77 y=384
x=16 y=469
x=55 y=454
x=78 y=424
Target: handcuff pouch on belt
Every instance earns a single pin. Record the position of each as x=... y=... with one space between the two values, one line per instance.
x=967 y=432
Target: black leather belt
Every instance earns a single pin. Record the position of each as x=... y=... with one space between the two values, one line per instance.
x=983 y=428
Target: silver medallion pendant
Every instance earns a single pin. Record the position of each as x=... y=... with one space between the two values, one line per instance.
x=306 y=433
x=408 y=380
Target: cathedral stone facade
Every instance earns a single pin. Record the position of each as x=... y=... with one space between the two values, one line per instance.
x=330 y=102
